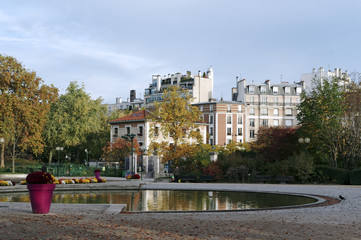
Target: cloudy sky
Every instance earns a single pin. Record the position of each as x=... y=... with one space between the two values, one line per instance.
x=113 y=46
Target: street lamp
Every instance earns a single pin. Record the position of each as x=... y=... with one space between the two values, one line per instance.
x=130 y=137
x=59 y=149
x=87 y=155
x=304 y=141
x=142 y=152
x=2 y=141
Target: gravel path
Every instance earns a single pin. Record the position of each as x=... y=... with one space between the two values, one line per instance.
x=336 y=221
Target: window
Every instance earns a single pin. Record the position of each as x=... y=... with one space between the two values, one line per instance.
x=263 y=89
x=201 y=108
x=251 y=89
x=228 y=108
x=275 y=100
x=115 y=132
x=239 y=131
x=210 y=131
x=251 y=100
x=140 y=131
x=287 y=90
x=288 y=112
x=128 y=130
x=211 y=142
x=211 y=119
x=275 y=112
x=275 y=90
x=239 y=108
x=288 y=101
x=264 y=111
x=275 y=123
x=210 y=108
x=298 y=90
x=264 y=100
x=264 y=122
x=251 y=122
x=239 y=119
x=229 y=119
x=288 y=123
x=156 y=131
x=251 y=133
x=229 y=131
x=251 y=111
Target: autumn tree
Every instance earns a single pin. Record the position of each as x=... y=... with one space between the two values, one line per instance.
x=321 y=117
x=176 y=121
x=76 y=122
x=350 y=149
x=118 y=150
x=275 y=143
x=24 y=105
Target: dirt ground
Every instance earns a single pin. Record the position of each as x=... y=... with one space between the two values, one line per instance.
x=274 y=224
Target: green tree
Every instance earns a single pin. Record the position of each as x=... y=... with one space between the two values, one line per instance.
x=24 y=104
x=320 y=114
x=175 y=120
x=76 y=122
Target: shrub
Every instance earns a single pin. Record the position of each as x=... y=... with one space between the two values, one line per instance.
x=355 y=177
x=327 y=174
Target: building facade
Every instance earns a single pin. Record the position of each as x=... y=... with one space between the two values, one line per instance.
x=315 y=77
x=199 y=86
x=138 y=124
x=225 y=121
x=267 y=105
x=133 y=103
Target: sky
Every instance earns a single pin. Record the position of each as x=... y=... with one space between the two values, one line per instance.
x=114 y=46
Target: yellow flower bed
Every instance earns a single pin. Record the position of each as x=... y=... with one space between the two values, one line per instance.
x=65 y=181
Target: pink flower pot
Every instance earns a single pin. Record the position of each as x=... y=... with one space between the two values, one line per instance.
x=40 y=197
x=97 y=175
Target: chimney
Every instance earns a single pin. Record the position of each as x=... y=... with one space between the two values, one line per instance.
x=132 y=95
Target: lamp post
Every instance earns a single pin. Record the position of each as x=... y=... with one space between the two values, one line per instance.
x=2 y=141
x=87 y=152
x=130 y=137
x=59 y=149
x=305 y=141
x=142 y=152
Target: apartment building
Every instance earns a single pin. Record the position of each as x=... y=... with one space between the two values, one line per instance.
x=200 y=86
x=267 y=105
x=132 y=103
x=315 y=77
x=225 y=121
x=138 y=124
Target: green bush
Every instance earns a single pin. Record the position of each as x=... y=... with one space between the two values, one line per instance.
x=327 y=174
x=355 y=177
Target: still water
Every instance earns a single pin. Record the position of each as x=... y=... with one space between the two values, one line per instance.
x=172 y=200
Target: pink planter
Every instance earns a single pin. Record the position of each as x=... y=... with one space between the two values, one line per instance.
x=97 y=175
x=40 y=197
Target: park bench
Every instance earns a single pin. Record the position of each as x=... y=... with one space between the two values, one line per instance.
x=270 y=179
x=206 y=179
x=188 y=178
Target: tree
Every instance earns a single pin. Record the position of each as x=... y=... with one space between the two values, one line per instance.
x=351 y=123
x=175 y=120
x=320 y=115
x=76 y=122
x=275 y=143
x=24 y=104
x=119 y=149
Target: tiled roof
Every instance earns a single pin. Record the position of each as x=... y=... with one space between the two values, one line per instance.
x=137 y=116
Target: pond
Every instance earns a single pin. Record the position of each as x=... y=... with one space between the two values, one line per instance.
x=173 y=200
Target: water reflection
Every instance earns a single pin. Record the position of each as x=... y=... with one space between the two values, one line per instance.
x=173 y=200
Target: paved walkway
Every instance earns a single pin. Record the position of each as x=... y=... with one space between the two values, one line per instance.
x=77 y=221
